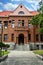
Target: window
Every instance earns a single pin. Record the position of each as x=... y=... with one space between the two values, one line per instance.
x=12 y=37
x=0 y=37
x=41 y=37
x=0 y=24
x=22 y=22
x=29 y=25
x=5 y=24
x=29 y=37
x=19 y=23
x=36 y=37
x=5 y=37
x=13 y=24
x=21 y=12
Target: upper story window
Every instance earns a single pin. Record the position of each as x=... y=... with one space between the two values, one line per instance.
x=29 y=37
x=5 y=37
x=5 y=24
x=29 y=24
x=21 y=12
x=0 y=24
x=19 y=23
x=13 y=23
x=22 y=22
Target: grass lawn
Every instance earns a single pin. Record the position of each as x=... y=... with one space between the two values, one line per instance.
x=3 y=53
x=40 y=52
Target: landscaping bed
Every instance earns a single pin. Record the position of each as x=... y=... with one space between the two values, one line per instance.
x=39 y=53
x=3 y=55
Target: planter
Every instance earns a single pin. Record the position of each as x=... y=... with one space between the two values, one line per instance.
x=3 y=58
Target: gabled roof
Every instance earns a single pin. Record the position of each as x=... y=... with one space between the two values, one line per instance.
x=22 y=8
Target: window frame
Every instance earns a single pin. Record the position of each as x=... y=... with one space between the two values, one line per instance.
x=13 y=23
x=29 y=37
x=6 y=37
x=29 y=24
x=5 y=24
x=22 y=22
x=12 y=37
x=19 y=23
x=20 y=12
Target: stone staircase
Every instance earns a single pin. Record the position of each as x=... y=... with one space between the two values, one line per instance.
x=22 y=47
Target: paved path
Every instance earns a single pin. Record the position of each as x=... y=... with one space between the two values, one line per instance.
x=22 y=58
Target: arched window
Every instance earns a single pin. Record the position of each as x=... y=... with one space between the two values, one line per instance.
x=21 y=12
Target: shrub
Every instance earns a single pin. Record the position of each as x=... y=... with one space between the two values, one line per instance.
x=2 y=45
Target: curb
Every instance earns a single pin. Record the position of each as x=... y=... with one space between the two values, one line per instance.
x=3 y=58
x=39 y=56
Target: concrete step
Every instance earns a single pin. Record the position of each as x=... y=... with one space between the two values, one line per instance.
x=22 y=47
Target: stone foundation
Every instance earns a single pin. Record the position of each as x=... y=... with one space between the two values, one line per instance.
x=32 y=46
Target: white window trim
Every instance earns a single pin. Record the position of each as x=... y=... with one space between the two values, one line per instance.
x=19 y=23
x=13 y=24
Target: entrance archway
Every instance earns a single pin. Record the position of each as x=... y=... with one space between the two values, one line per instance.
x=21 y=39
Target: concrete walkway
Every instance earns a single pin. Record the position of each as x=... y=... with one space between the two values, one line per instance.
x=22 y=58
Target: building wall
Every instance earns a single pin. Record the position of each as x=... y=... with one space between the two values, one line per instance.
x=16 y=30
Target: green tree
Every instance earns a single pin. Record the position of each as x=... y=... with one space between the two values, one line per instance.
x=38 y=20
x=41 y=24
x=41 y=17
x=41 y=7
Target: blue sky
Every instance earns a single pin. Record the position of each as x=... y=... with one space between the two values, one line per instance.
x=12 y=4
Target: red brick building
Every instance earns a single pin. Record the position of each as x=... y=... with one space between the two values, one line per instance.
x=15 y=27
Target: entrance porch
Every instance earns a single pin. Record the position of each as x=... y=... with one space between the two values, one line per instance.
x=21 y=39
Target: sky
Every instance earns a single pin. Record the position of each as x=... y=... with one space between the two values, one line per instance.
x=12 y=4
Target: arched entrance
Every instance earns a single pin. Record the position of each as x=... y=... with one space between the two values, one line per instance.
x=21 y=39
